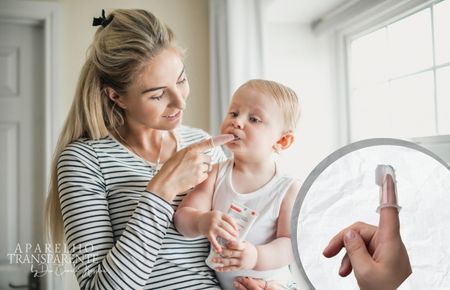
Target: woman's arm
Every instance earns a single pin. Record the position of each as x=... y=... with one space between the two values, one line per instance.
x=100 y=263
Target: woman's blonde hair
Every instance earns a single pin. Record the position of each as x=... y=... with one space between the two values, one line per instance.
x=117 y=55
x=285 y=97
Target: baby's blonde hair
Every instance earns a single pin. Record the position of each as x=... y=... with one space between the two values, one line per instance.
x=285 y=98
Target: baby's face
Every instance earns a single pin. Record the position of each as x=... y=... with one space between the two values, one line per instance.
x=256 y=121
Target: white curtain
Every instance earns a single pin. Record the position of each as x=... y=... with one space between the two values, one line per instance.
x=236 y=51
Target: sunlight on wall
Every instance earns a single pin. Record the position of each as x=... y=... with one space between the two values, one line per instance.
x=297 y=58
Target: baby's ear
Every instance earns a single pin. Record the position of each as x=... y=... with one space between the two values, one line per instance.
x=284 y=142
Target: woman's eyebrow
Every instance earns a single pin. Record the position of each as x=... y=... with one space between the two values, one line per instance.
x=182 y=72
x=159 y=88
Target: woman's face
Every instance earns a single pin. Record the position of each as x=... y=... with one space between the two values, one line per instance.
x=157 y=97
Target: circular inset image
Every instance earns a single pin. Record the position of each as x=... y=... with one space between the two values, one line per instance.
x=342 y=190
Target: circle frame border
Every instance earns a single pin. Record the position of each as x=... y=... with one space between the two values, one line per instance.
x=330 y=159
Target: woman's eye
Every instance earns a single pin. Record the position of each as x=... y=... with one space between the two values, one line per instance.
x=157 y=98
x=182 y=81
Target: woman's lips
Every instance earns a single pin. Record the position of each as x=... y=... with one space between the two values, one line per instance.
x=174 y=116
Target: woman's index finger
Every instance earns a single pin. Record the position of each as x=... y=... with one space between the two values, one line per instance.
x=212 y=142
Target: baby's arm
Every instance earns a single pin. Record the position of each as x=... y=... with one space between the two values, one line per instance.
x=194 y=216
x=276 y=254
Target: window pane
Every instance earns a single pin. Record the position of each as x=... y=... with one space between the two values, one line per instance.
x=402 y=109
x=410 y=44
x=411 y=106
x=442 y=31
x=443 y=100
x=368 y=59
x=367 y=118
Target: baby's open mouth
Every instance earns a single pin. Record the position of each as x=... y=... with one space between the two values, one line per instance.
x=236 y=138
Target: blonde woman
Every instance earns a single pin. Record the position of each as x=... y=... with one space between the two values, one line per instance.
x=110 y=199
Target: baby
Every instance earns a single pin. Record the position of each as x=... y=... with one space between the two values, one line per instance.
x=262 y=116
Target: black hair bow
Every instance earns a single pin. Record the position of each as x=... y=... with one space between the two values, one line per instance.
x=103 y=21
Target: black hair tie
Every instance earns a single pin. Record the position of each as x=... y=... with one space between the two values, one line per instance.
x=103 y=21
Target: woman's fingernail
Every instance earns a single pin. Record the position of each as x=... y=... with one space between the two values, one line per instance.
x=350 y=235
x=341 y=269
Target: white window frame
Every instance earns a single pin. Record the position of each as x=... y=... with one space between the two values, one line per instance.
x=361 y=23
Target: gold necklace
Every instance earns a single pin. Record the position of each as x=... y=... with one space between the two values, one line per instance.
x=158 y=158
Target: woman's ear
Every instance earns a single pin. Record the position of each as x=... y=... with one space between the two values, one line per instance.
x=284 y=142
x=115 y=97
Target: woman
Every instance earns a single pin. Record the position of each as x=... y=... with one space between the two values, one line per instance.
x=110 y=198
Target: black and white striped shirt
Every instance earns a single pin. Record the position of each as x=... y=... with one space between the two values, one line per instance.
x=121 y=236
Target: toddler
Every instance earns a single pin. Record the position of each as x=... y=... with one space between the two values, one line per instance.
x=262 y=116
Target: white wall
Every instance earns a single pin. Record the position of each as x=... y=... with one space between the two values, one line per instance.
x=297 y=58
x=303 y=61
x=188 y=19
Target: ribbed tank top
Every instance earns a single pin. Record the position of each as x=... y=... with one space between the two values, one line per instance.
x=266 y=201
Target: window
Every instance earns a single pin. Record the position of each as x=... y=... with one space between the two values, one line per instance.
x=399 y=76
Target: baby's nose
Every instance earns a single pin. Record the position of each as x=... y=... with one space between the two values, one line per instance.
x=237 y=124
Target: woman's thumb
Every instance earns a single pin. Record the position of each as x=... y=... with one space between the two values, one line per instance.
x=357 y=251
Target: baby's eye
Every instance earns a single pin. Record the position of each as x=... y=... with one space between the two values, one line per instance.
x=254 y=120
x=233 y=114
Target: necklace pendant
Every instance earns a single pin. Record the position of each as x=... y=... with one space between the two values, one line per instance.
x=154 y=170
x=157 y=167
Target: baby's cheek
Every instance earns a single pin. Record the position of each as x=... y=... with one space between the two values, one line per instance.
x=223 y=126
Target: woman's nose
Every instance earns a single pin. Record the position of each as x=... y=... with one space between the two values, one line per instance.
x=178 y=100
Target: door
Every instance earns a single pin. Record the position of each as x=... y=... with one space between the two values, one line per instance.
x=22 y=151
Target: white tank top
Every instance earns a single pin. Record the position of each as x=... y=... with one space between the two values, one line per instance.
x=266 y=201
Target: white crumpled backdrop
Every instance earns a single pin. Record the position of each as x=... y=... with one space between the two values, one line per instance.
x=346 y=192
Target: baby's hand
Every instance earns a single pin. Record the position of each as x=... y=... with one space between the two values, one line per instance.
x=216 y=223
x=237 y=256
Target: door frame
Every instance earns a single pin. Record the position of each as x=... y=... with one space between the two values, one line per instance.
x=47 y=14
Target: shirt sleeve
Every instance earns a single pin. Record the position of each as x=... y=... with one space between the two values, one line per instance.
x=99 y=263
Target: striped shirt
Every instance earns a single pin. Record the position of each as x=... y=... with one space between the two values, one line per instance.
x=119 y=235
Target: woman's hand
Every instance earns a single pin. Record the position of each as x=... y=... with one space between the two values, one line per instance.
x=377 y=255
x=216 y=223
x=237 y=256
x=185 y=169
